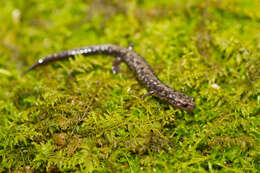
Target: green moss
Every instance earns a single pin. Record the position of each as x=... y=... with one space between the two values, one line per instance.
x=77 y=116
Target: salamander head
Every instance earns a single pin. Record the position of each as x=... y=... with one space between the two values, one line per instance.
x=185 y=104
x=179 y=100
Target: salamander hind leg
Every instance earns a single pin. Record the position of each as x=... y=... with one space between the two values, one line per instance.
x=115 y=65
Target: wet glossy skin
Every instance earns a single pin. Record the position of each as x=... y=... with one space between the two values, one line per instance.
x=136 y=63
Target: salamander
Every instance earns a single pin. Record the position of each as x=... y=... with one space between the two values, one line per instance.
x=135 y=62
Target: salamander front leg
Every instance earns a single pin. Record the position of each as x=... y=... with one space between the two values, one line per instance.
x=148 y=94
x=118 y=60
x=115 y=65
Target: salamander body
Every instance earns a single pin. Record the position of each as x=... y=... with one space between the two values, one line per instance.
x=135 y=62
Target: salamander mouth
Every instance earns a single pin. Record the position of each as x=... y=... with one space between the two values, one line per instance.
x=187 y=107
x=184 y=103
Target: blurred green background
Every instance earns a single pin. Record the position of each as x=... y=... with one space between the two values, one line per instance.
x=76 y=116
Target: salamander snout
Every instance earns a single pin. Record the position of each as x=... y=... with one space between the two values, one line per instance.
x=188 y=105
x=182 y=101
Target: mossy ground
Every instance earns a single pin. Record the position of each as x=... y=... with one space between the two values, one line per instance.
x=77 y=116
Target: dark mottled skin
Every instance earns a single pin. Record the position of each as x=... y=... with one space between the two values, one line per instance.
x=136 y=63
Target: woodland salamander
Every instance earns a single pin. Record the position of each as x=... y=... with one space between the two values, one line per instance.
x=135 y=62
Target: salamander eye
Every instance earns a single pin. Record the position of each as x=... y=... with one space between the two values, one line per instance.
x=185 y=105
